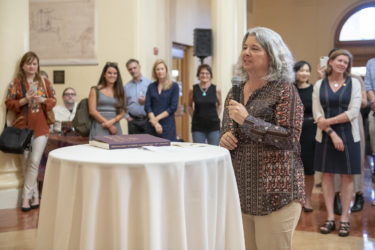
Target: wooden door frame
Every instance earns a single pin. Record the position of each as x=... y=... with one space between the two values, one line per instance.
x=185 y=89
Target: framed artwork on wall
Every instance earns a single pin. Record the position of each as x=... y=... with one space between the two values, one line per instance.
x=58 y=76
x=63 y=32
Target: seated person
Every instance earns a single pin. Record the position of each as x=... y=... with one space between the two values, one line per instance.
x=67 y=112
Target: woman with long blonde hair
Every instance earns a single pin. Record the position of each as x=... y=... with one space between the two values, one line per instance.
x=161 y=103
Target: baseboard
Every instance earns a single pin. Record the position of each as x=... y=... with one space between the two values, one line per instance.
x=10 y=198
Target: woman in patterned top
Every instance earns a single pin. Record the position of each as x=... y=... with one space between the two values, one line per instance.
x=265 y=145
x=30 y=113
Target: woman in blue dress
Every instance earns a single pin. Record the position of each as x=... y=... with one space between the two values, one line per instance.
x=336 y=105
x=108 y=108
x=161 y=103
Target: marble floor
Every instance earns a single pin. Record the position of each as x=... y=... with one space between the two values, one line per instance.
x=18 y=230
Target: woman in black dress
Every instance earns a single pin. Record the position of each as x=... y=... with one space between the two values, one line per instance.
x=307 y=139
x=205 y=123
x=336 y=104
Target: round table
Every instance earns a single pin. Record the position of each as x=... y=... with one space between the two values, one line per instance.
x=182 y=196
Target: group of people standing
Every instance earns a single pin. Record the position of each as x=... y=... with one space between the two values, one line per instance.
x=149 y=107
x=278 y=111
x=337 y=148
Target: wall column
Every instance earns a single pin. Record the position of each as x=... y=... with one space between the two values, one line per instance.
x=14 y=42
x=152 y=30
x=229 y=27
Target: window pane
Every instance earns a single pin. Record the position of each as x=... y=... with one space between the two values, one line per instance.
x=359 y=26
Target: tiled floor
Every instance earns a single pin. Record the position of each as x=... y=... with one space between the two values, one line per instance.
x=18 y=230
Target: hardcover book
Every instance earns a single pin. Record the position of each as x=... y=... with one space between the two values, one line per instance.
x=128 y=141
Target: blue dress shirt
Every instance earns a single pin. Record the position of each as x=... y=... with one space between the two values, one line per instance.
x=133 y=90
x=370 y=75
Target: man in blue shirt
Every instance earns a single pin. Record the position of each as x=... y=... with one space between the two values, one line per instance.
x=370 y=82
x=370 y=88
x=135 y=96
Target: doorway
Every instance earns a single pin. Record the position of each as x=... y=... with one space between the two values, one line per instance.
x=180 y=74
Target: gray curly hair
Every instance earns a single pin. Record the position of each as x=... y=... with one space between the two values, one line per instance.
x=281 y=60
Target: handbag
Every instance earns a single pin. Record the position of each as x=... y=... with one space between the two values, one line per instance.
x=15 y=140
x=50 y=115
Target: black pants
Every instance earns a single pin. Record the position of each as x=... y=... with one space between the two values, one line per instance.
x=137 y=126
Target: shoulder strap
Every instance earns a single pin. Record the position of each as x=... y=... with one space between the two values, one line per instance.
x=5 y=122
x=97 y=93
x=44 y=85
x=26 y=106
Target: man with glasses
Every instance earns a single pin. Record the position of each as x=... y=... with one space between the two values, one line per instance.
x=135 y=97
x=67 y=112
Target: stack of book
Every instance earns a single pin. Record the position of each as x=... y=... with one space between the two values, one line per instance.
x=128 y=141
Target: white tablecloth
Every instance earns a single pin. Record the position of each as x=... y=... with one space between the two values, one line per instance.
x=182 y=197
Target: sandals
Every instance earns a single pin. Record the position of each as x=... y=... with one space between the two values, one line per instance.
x=328 y=227
x=344 y=229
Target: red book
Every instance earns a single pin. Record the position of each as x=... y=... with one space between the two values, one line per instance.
x=128 y=141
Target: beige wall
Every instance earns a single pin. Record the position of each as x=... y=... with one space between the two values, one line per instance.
x=186 y=15
x=307 y=26
x=14 y=40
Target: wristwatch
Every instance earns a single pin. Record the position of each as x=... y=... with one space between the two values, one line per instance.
x=329 y=131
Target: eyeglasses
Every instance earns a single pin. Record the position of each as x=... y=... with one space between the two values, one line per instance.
x=70 y=94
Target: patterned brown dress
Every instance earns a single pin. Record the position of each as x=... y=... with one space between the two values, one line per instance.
x=267 y=161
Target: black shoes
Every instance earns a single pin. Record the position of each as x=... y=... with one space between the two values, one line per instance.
x=307 y=210
x=337 y=208
x=358 y=203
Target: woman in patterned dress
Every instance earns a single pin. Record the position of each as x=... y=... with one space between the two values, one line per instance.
x=265 y=145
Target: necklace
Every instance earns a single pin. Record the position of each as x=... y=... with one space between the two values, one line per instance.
x=204 y=90
x=339 y=83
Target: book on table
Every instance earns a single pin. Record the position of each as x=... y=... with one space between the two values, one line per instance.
x=128 y=141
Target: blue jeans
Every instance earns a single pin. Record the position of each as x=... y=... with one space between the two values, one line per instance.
x=212 y=137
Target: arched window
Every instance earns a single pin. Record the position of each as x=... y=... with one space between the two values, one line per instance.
x=356 y=33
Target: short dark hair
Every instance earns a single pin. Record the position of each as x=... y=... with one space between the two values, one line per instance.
x=204 y=66
x=66 y=89
x=132 y=60
x=300 y=64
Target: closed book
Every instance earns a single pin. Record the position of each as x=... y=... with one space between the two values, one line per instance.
x=128 y=141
